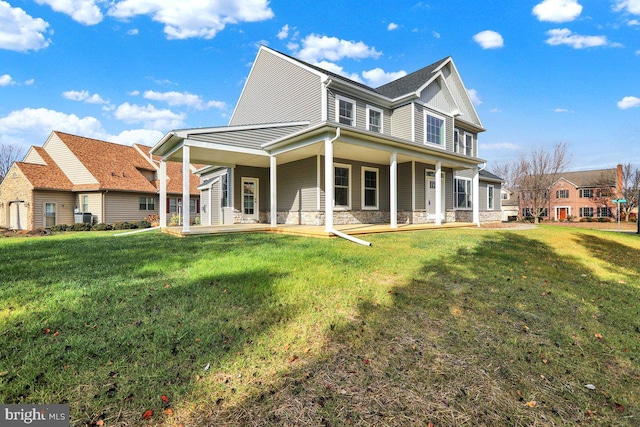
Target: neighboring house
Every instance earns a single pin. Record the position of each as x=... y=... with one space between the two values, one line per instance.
x=510 y=205
x=581 y=195
x=307 y=146
x=71 y=174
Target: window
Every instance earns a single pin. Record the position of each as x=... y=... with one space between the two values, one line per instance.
x=193 y=206
x=562 y=194
x=49 y=215
x=504 y=195
x=586 y=193
x=147 y=204
x=456 y=141
x=434 y=129
x=226 y=191
x=468 y=144
x=490 y=198
x=369 y=188
x=462 y=193
x=374 y=119
x=345 y=111
x=586 y=212
x=173 y=205
x=604 y=212
x=85 y=203
x=342 y=181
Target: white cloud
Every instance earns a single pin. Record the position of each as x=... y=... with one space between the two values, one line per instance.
x=284 y=32
x=183 y=98
x=133 y=32
x=193 y=18
x=392 y=26
x=557 y=10
x=631 y=6
x=84 y=96
x=637 y=52
x=475 y=98
x=435 y=34
x=317 y=48
x=6 y=80
x=628 y=102
x=85 y=12
x=489 y=39
x=149 y=116
x=336 y=69
x=495 y=110
x=30 y=82
x=633 y=22
x=500 y=146
x=19 y=31
x=138 y=136
x=39 y=122
x=561 y=36
x=562 y=110
x=378 y=77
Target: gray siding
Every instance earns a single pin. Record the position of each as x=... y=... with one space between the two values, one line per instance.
x=278 y=90
x=460 y=94
x=361 y=112
x=68 y=162
x=401 y=122
x=435 y=97
x=64 y=206
x=404 y=186
x=251 y=138
x=297 y=186
x=216 y=205
x=262 y=174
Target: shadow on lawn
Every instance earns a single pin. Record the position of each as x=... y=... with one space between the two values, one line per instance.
x=473 y=339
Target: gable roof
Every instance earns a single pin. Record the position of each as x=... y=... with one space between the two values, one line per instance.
x=590 y=178
x=174 y=174
x=411 y=82
x=48 y=176
x=485 y=175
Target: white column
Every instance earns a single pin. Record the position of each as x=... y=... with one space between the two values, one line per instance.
x=438 y=193
x=393 y=190
x=328 y=185
x=475 y=194
x=273 y=187
x=186 y=204
x=163 y=194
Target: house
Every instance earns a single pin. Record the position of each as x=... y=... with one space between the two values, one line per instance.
x=510 y=205
x=70 y=174
x=308 y=146
x=581 y=195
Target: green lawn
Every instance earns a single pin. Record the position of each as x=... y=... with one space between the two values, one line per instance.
x=449 y=327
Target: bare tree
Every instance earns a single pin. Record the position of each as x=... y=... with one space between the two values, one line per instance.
x=508 y=172
x=535 y=173
x=9 y=153
x=630 y=189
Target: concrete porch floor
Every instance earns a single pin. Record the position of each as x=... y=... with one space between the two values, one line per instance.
x=309 y=230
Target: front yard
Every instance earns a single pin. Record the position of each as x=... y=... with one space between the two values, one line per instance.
x=449 y=327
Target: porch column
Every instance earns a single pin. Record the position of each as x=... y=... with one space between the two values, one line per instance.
x=163 y=193
x=186 y=196
x=328 y=185
x=273 y=187
x=393 y=190
x=438 y=192
x=475 y=194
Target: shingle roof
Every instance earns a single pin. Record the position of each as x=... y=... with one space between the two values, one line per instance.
x=174 y=174
x=488 y=175
x=411 y=82
x=48 y=176
x=592 y=178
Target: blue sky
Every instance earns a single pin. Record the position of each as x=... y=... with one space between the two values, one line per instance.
x=540 y=72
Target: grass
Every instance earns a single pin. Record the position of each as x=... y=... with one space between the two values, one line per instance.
x=449 y=327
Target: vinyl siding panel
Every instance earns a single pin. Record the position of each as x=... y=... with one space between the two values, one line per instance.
x=278 y=90
x=33 y=157
x=404 y=186
x=68 y=162
x=252 y=138
x=95 y=204
x=361 y=112
x=401 y=122
x=216 y=205
x=64 y=206
x=434 y=96
x=454 y=82
x=125 y=207
x=297 y=186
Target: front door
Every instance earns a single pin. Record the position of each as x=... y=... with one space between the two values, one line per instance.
x=250 y=193
x=562 y=214
x=49 y=215
x=430 y=195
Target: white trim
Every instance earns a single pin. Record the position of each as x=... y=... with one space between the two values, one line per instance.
x=273 y=178
x=186 y=188
x=318 y=178
x=456 y=148
x=349 y=187
x=337 y=108
x=368 y=116
x=439 y=202
x=413 y=121
x=465 y=133
x=489 y=207
x=256 y=199
x=393 y=189
x=413 y=185
x=364 y=169
x=443 y=137
x=455 y=193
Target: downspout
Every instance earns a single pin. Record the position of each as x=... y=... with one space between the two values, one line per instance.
x=330 y=200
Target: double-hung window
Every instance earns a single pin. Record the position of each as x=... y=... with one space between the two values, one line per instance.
x=604 y=212
x=586 y=193
x=490 y=197
x=586 y=212
x=468 y=144
x=374 y=119
x=462 y=193
x=434 y=129
x=193 y=206
x=345 y=111
x=456 y=141
x=342 y=186
x=369 y=188
x=147 y=204
x=85 y=203
x=562 y=194
x=173 y=205
x=225 y=188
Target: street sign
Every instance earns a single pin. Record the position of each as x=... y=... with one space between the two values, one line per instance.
x=619 y=200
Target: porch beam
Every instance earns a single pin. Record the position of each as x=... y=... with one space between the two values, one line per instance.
x=186 y=196
x=393 y=189
x=475 y=193
x=163 y=194
x=328 y=185
x=273 y=188
x=438 y=193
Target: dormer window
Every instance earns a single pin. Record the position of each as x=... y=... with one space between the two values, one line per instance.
x=434 y=129
x=374 y=119
x=345 y=111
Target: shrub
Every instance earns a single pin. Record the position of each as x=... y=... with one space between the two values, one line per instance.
x=81 y=226
x=175 y=219
x=124 y=225
x=142 y=224
x=154 y=219
x=60 y=227
x=102 y=227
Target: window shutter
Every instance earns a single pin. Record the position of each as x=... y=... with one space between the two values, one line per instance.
x=168 y=207
x=197 y=205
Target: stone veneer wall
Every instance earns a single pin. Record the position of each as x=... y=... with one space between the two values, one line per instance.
x=16 y=186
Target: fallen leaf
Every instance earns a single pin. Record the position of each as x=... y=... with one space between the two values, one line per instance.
x=147 y=414
x=46 y=331
x=532 y=404
x=619 y=407
x=100 y=423
x=294 y=358
x=168 y=412
x=598 y=336
x=519 y=393
x=590 y=412
x=366 y=361
x=56 y=333
x=164 y=398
